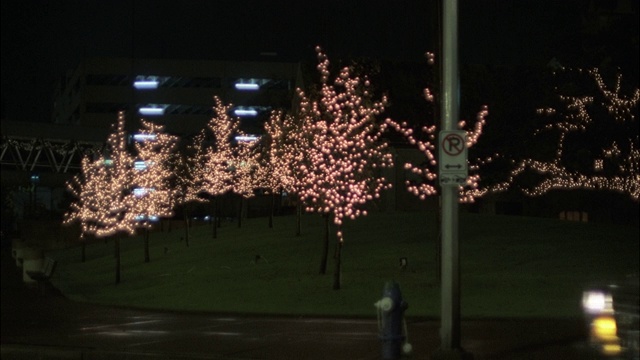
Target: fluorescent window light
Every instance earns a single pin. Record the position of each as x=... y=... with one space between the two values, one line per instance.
x=245 y=112
x=151 y=111
x=246 y=138
x=145 y=84
x=139 y=165
x=144 y=137
x=243 y=86
x=142 y=217
x=139 y=192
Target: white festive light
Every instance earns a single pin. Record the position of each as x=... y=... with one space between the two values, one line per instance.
x=103 y=204
x=615 y=165
x=346 y=149
x=425 y=142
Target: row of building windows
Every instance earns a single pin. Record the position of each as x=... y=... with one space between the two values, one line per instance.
x=171 y=109
x=145 y=82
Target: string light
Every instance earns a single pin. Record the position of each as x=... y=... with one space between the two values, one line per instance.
x=286 y=150
x=424 y=141
x=156 y=175
x=346 y=151
x=224 y=166
x=103 y=203
x=615 y=164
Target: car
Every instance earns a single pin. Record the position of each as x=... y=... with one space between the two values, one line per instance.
x=612 y=314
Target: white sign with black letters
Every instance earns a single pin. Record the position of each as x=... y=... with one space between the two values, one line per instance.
x=452 y=146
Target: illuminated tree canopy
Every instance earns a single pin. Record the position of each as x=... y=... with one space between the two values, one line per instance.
x=346 y=152
x=104 y=200
x=596 y=138
x=424 y=139
x=152 y=174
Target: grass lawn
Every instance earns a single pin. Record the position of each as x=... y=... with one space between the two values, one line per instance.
x=510 y=266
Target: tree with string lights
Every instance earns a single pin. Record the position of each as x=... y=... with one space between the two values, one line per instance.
x=346 y=154
x=284 y=148
x=597 y=141
x=103 y=200
x=424 y=140
x=187 y=181
x=426 y=171
x=245 y=170
x=152 y=178
x=214 y=169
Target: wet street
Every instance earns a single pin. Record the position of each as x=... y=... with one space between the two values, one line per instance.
x=51 y=327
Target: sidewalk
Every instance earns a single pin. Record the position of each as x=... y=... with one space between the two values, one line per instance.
x=52 y=327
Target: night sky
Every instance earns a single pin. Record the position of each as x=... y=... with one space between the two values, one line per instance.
x=42 y=39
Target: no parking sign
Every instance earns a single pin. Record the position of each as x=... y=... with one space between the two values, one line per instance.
x=452 y=146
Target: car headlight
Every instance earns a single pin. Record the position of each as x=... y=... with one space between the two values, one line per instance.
x=597 y=302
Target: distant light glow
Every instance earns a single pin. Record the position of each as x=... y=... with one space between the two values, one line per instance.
x=145 y=84
x=244 y=86
x=245 y=112
x=154 y=111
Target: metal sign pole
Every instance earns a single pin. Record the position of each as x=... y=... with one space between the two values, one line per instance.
x=450 y=288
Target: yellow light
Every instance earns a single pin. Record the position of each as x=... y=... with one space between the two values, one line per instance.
x=611 y=349
x=603 y=328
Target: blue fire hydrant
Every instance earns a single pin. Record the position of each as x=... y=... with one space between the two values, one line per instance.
x=391 y=323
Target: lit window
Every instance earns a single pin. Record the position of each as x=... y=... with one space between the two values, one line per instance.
x=140 y=165
x=245 y=112
x=140 y=192
x=153 y=111
x=146 y=84
x=142 y=217
x=246 y=86
x=144 y=137
x=246 y=138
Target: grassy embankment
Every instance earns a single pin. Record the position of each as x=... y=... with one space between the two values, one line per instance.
x=510 y=266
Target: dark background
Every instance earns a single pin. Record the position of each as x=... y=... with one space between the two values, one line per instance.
x=43 y=39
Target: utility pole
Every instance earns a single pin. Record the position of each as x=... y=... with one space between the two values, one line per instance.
x=452 y=173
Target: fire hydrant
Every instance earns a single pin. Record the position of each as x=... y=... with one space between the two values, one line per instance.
x=391 y=323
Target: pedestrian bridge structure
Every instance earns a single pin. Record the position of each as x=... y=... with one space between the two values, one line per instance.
x=45 y=153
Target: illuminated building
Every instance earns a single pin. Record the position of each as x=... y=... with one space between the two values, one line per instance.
x=175 y=93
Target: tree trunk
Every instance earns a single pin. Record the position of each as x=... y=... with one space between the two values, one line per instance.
x=117 y=251
x=325 y=246
x=186 y=227
x=240 y=212
x=147 y=258
x=438 y=269
x=273 y=205
x=298 y=218
x=218 y=219
x=337 y=274
x=214 y=217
